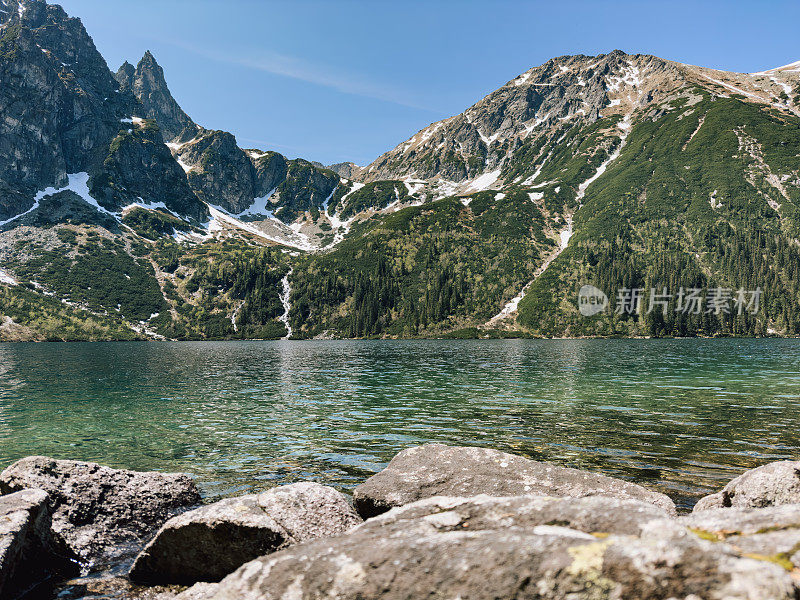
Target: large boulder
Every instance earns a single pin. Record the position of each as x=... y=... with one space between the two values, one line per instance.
x=102 y=513
x=470 y=548
x=769 y=485
x=210 y=542
x=28 y=553
x=597 y=515
x=438 y=470
x=772 y=533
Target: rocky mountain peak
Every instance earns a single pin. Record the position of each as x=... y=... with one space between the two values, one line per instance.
x=563 y=92
x=125 y=75
x=59 y=102
x=545 y=102
x=148 y=84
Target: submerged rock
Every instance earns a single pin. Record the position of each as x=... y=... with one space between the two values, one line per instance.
x=470 y=548
x=212 y=541
x=28 y=553
x=769 y=485
x=101 y=512
x=438 y=470
x=113 y=587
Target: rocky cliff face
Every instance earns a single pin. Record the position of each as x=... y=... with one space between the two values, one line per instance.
x=67 y=119
x=250 y=181
x=148 y=84
x=140 y=169
x=60 y=105
x=67 y=122
x=348 y=170
x=218 y=170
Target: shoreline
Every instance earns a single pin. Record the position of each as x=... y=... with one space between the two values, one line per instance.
x=409 y=339
x=414 y=525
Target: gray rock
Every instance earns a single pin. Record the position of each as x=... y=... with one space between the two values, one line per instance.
x=564 y=92
x=28 y=553
x=148 y=84
x=140 y=167
x=438 y=470
x=433 y=557
x=62 y=114
x=58 y=103
x=221 y=172
x=772 y=532
x=348 y=170
x=199 y=591
x=769 y=485
x=593 y=514
x=212 y=541
x=99 y=512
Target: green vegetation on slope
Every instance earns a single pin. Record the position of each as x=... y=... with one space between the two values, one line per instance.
x=422 y=270
x=649 y=222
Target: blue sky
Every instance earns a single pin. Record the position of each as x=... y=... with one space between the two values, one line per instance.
x=338 y=80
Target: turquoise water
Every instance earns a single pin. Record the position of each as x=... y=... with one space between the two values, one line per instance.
x=681 y=416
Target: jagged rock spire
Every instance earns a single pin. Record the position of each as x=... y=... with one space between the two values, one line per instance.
x=148 y=84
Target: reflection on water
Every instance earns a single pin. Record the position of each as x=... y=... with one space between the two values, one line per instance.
x=679 y=415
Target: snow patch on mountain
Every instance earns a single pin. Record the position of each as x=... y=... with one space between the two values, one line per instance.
x=5 y=277
x=484 y=181
x=78 y=184
x=258 y=207
x=414 y=185
x=791 y=67
x=566 y=233
x=625 y=125
x=148 y=206
x=221 y=220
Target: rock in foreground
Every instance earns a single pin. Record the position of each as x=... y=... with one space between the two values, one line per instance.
x=772 y=533
x=772 y=484
x=438 y=470
x=210 y=542
x=28 y=552
x=472 y=548
x=597 y=515
x=100 y=512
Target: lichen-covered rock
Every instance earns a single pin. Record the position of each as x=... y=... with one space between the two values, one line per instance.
x=438 y=470
x=210 y=542
x=434 y=556
x=772 y=533
x=28 y=553
x=102 y=513
x=592 y=514
x=769 y=485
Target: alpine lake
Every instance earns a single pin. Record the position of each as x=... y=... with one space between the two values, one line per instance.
x=679 y=416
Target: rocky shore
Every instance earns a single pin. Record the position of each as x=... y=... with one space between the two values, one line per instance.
x=438 y=522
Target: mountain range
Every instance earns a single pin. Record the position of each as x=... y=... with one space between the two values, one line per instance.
x=122 y=218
